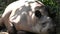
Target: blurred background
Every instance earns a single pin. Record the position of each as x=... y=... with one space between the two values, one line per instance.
x=54 y=5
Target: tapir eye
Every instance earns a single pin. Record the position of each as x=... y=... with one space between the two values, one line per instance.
x=38 y=14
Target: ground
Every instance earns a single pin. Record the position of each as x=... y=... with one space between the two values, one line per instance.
x=3 y=33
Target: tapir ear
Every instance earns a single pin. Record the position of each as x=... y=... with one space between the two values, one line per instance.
x=38 y=14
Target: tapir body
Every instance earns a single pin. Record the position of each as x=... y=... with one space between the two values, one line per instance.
x=28 y=16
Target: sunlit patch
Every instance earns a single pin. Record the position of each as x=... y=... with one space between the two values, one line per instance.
x=30 y=13
x=24 y=13
x=48 y=17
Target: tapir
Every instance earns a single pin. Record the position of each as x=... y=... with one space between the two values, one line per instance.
x=27 y=15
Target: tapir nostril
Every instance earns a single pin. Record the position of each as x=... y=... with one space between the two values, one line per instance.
x=37 y=13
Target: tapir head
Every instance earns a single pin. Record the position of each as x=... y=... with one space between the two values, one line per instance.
x=44 y=21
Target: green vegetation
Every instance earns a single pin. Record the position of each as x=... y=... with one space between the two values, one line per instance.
x=53 y=5
x=3 y=4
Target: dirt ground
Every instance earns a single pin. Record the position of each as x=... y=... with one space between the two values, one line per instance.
x=3 y=32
